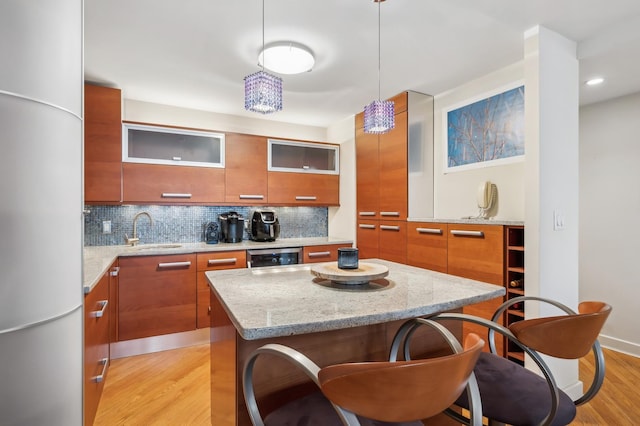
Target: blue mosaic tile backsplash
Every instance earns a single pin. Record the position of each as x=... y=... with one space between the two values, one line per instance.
x=185 y=224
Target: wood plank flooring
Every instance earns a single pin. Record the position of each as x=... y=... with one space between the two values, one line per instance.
x=172 y=388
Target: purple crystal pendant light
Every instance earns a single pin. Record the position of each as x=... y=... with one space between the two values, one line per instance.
x=262 y=91
x=379 y=116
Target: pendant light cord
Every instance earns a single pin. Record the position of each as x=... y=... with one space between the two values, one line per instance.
x=264 y=54
x=379 y=1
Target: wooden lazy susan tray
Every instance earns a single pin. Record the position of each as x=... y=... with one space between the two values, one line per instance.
x=363 y=274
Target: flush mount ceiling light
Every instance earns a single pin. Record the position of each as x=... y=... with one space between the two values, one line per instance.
x=262 y=91
x=595 y=81
x=379 y=116
x=286 y=57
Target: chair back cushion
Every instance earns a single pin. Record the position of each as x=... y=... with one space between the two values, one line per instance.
x=565 y=336
x=403 y=390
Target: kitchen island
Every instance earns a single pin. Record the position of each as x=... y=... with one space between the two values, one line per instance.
x=328 y=323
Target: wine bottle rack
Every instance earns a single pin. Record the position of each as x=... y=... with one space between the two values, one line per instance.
x=514 y=283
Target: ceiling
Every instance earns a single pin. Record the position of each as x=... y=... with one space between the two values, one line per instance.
x=195 y=53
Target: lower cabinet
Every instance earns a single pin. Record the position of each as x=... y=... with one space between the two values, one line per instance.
x=427 y=245
x=97 y=319
x=323 y=253
x=213 y=261
x=477 y=252
x=383 y=239
x=156 y=295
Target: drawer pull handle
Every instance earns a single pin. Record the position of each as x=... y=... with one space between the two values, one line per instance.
x=367 y=213
x=367 y=226
x=462 y=233
x=173 y=265
x=251 y=197
x=114 y=271
x=320 y=254
x=435 y=231
x=175 y=195
x=227 y=261
x=389 y=228
x=306 y=197
x=176 y=158
x=100 y=313
x=395 y=214
x=100 y=377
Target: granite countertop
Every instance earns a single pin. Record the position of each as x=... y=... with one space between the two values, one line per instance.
x=282 y=301
x=469 y=220
x=98 y=259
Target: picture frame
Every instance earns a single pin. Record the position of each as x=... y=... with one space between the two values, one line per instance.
x=485 y=131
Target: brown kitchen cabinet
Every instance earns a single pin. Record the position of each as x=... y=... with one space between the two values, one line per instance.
x=163 y=184
x=303 y=189
x=427 y=245
x=477 y=252
x=245 y=169
x=156 y=295
x=322 y=253
x=383 y=239
x=102 y=144
x=213 y=261
x=97 y=319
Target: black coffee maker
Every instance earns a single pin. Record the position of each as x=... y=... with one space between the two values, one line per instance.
x=265 y=225
x=231 y=227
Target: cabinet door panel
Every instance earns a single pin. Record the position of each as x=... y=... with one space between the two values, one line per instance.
x=172 y=184
x=214 y=261
x=393 y=171
x=245 y=169
x=323 y=253
x=393 y=241
x=427 y=245
x=102 y=144
x=367 y=175
x=155 y=300
x=96 y=346
x=367 y=238
x=304 y=189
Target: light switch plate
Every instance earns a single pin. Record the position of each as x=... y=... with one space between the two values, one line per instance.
x=106 y=226
x=558 y=220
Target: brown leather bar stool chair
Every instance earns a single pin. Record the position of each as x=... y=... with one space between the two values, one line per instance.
x=371 y=393
x=512 y=394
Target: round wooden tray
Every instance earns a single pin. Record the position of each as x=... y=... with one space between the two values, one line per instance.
x=366 y=272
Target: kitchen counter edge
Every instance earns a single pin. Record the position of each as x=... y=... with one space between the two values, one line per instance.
x=98 y=259
x=470 y=221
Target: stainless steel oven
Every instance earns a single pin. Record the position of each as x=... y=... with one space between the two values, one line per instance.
x=274 y=257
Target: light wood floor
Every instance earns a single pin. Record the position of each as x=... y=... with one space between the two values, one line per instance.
x=172 y=388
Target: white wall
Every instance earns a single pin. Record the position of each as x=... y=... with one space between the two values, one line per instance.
x=175 y=116
x=609 y=202
x=455 y=192
x=342 y=220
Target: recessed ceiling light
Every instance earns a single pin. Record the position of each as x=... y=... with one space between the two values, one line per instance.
x=595 y=81
x=286 y=58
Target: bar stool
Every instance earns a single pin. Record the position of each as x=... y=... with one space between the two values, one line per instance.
x=373 y=393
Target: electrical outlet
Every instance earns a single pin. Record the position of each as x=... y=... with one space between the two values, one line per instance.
x=106 y=226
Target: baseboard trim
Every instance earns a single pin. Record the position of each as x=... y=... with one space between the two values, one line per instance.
x=165 y=342
x=619 y=345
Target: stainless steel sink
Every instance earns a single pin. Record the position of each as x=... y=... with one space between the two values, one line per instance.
x=156 y=246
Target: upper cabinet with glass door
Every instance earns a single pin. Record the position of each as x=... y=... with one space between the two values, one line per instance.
x=303 y=157
x=171 y=146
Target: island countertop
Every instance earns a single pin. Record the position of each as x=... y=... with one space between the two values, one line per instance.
x=283 y=301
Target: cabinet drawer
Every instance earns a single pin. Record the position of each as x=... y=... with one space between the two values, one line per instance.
x=476 y=252
x=157 y=295
x=427 y=245
x=222 y=260
x=172 y=184
x=304 y=189
x=324 y=253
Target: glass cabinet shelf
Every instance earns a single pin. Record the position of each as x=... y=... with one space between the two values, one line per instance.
x=171 y=146
x=303 y=157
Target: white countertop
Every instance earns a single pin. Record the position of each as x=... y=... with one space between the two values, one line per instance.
x=98 y=259
x=282 y=301
x=469 y=220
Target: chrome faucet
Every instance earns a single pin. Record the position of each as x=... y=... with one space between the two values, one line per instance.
x=134 y=240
